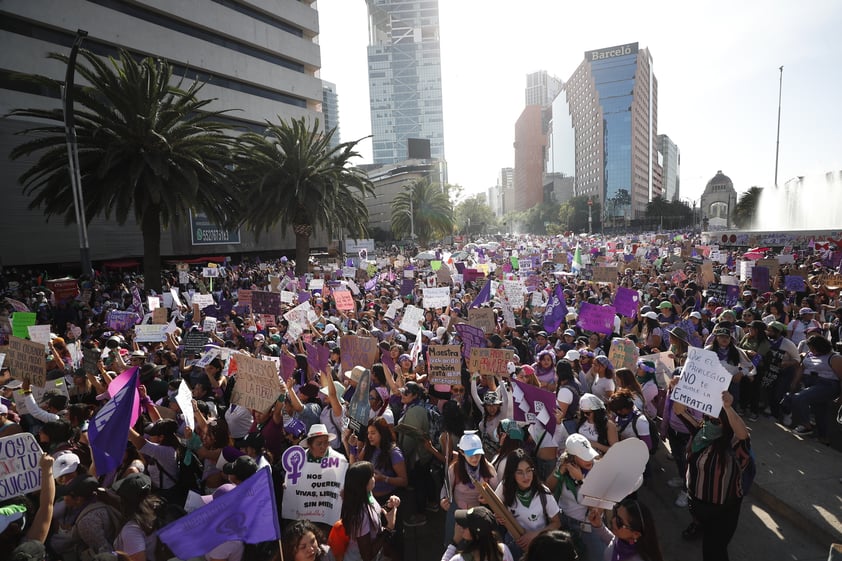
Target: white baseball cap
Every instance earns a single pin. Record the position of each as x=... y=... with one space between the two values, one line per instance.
x=580 y=447
x=65 y=464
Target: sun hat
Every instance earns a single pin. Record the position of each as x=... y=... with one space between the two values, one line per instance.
x=470 y=443
x=340 y=389
x=579 y=446
x=318 y=429
x=572 y=355
x=355 y=374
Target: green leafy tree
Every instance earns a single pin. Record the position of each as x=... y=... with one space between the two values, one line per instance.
x=746 y=208
x=147 y=148
x=573 y=215
x=537 y=219
x=670 y=214
x=430 y=209
x=474 y=216
x=291 y=176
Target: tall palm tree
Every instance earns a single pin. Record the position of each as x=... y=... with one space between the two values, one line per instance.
x=746 y=208
x=146 y=147
x=291 y=176
x=430 y=209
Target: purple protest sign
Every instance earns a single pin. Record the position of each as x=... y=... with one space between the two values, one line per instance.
x=386 y=360
x=460 y=267
x=317 y=356
x=760 y=278
x=732 y=295
x=625 y=301
x=693 y=336
x=407 y=286
x=541 y=403
x=288 y=366
x=121 y=320
x=795 y=283
x=303 y=296
x=597 y=318
x=471 y=337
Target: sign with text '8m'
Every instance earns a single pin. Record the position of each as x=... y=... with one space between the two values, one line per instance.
x=205 y=232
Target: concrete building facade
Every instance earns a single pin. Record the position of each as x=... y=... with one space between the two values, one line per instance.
x=718 y=202
x=541 y=88
x=671 y=164
x=404 y=73
x=258 y=58
x=330 y=110
x=530 y=151
x=389 y=181
x=506 y=186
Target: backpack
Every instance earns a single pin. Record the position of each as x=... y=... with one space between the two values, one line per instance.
x=654 y=433
x=188 y=478
x=436 y=426
x=338 y=540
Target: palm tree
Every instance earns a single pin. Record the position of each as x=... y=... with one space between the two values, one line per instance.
x=746 y=208
x=146 y=148
x=291 y=176
x=430 y=209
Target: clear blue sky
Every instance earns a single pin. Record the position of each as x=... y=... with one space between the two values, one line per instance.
x=716 y=63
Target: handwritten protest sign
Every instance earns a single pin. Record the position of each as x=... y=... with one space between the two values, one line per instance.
x=344 y=299
x=312 y=489
x=40 y=334
x=20 y=472
x=597 y=318
x=515 y=291
x=244 y=297
x=445 y=364
x=473 y=337
x=664 y=365
x=358 y=351
x=265 y=302
x=436 y=297
x=150 y=333
x=489 y=361
x=194 y=342
x=605 y=274
x=203 y=300
x=443 y=276
x=258 y=385
x=623 y=354
x=482 y=318
x=702 y=382
x=26 y=361
x=412 y=318
x=159 y=316
x=626 y=301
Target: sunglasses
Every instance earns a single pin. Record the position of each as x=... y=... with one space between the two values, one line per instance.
x=622 y=524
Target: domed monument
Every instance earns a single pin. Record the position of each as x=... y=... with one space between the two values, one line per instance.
x=718 y=202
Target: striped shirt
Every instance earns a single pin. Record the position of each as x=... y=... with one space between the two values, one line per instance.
x=712 y=481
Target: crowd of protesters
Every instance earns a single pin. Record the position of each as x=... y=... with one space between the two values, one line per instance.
x=423 y=446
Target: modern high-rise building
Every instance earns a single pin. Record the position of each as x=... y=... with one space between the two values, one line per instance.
x=530 y=150
x=506 y=186
x=258 y=59
x=671 y=164
x=612 y=98
x=330 y=110
x=541 y=88
x=404 y=74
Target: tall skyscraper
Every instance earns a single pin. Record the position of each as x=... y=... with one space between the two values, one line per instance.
x=330 y=110
x=530 y=148
x=671 y=164
x=404 y=74
x=541 y=88
x=612 y=98
x=506 y=185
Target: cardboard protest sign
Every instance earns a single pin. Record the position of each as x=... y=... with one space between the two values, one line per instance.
x=706 y=273
x=244 y=297
x=194 y=342
x=258 y=385
x=20 y=457
x=63 y=288
x=489 y=361
x=358 y=351
x=413 y=317
x=664 y=365
x=21 y=322
x=444 y=363
x=605 y=274
x=626 y=301
x=703 y=379
x=623 y=354
x=436 y=297
x=344 y=300
x=597 y=318
x=482 y=318
x=151 y=333
x=266 y=302
x=443 y=276
x=312 y=489
x=159 y=316
x=38 y=394
x=772 y=264
x=472 y=337
x=533 y=405
x=618 y=474
x=26 y=361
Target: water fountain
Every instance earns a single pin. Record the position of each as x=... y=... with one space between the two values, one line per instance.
x=804 y=203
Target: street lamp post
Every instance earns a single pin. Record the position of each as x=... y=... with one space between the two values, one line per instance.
x=590 y=216
x=411 y=189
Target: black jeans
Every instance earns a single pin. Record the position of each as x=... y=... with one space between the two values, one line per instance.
x=719 y=522
x=678 y=444
x=750 y=394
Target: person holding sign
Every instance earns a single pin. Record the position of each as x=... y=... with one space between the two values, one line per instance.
x=718 y=456
x=633 y=535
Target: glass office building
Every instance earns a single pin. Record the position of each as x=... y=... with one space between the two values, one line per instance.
x=404 y=73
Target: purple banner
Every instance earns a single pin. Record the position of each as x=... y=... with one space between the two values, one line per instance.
x=597 y=318
x=288 y=366
x=537 y=400
x=556 y=310
x=121 y=321
x=471 y=337
x=732 y=295
x=626 y=301
x=795 y=283
x=109 y=429
x=760 y=278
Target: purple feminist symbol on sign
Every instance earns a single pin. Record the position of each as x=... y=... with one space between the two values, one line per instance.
x=293 y=460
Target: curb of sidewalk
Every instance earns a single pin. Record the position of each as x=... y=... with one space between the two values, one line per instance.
x=796 y=518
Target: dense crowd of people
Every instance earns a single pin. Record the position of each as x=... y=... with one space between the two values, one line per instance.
x=401 y=443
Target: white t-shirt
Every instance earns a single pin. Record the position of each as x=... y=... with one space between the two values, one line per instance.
x=531 y=517
x=334 y=425
x=602 y=387
x=131 y=540
x=588 y=430
x=642 y=429
x=239 y=421
x=536 y=431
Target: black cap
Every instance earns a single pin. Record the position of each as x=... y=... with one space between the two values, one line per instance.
x=133 y=485
x=162 y=427
x=243 y=468
x=478 y=519
x=81 y=486
x=254 y=440
x=412 y=388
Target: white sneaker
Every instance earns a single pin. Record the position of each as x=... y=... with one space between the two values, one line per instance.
x=681 y=501
x=675 y=482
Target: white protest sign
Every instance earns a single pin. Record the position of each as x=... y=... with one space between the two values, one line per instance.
x=287 y=296
x=38 y=394
x=39 y=334
x=2 y=359
x=152 y=333
x=355 y=289
x=171 y=327
x=316 y=285
x=436 y=297
x=312 y=489
x=167 y=300
x=203 y=300
x=175 y=299
x=210 y=272
x=209 y=325
x=702 y=382
x=393 y=308
x=745 y=270
x=183 y=398
x=154 y=302
x=664 y=364
x=618 y=474
x=729 y=280
x=515 y=290
x=183 y=277
x=299 y=315
x=20 y=472
x=412 y=318
x=207 y=358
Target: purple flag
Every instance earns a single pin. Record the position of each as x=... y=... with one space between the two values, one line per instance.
x=626 y=301
x=597 y=318
x=460 y=267
x=483 y=296
x=760 y=278
x=118 y=383
x=530 y=395
x=386 y=360
x=471 y=336
x=247 y=513
x=407 y=286
x=137 y=303
x=371 y=284
x=795 y=283
x=556 y=310
x=109 y=429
